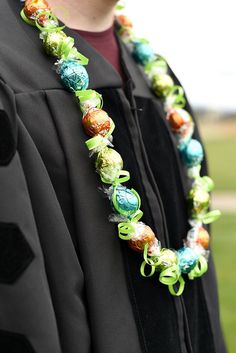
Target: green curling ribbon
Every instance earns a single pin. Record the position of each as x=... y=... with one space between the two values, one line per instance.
x=149 y=260
x=90 y=94
x=137 y=216
x=176 y=94
x=143 y=266
x=26 y=19
x=120 y=7
x=199 y=269
x=180 y=289
x=159 y=62
x=83 y=60
x=98 y=140
x=112 y=128
x=66 y=47
x=169 y=276
x=123 y=177
x=209 y=217
x=126 y=229
x=50 y=17
x=95 y=142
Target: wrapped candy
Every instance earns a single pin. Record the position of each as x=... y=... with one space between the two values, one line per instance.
x=125 y=201
x=198 y=201
x=89 y=99
x=96 y=122
x=205 y=183
x=73 y=75
x=182 y=125
x=192 y=154
x=179 y=119
x=52 y=42
x=124 y=21
x=166 y=258
x=187 y=259
x=162 y=84
x=156 y=67
x=143 y=53
x=198 y=236
x=33 y=7
x=109 y=164
x=142 y=235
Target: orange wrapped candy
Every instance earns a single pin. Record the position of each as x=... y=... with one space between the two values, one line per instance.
x=178 y=118
x=33 y=6
x=143 y=234
x=96 y=122
x=198 y=236
x=203 y=238
x=124 y=21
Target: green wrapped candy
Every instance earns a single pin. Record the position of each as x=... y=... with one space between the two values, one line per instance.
x=198 y=201
x=109 y=164
x=167 y=258
x=53 y=41
x=162 y=84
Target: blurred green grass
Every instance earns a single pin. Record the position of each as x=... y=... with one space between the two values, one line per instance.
x=222 y=160
x=224 y=250
x=221 y=153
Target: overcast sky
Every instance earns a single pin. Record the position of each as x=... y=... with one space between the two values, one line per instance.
x=198 y=39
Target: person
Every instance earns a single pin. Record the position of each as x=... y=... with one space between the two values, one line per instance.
x=68 y=283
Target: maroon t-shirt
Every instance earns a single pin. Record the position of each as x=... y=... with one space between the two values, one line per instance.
x=106 y=44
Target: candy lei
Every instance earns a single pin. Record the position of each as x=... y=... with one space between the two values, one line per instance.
x=170 y=265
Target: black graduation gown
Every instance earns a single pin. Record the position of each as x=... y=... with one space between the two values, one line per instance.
x=67 y=283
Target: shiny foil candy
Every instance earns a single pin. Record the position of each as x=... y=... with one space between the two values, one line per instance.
x=198 y=236
x=198 y=201
x=142 y=235
x=192 y=154
x=125 y=201
x=162 y=84
x=109 y=164
x=143 y=53
x=182 y=125
x=73 y=75
x=205 y=183
x=156 y=67
x=52 y=42
x=124 y=21
x=33 y=7
x=188 y=259
x=167 y=258
x=96 y=122
x=179 y=120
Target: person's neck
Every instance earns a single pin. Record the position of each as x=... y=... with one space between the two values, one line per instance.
x=87 y=15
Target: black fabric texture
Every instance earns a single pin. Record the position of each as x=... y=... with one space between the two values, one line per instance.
x=7 y=143
x=15 y=253
x=8 y=134
x=83 y=292
x=14 y=343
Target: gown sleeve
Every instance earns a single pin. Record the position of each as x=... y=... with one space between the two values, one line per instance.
x=27 y=316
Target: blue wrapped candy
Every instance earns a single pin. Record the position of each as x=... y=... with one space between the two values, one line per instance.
x=187 y=259
x=73 y=75
x=192 y=154
x=143 y=53
x=125 y=201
